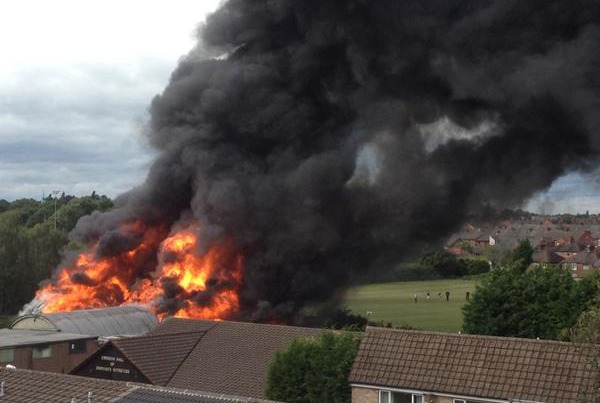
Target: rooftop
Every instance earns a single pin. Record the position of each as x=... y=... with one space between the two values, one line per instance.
x=20 y=338
x=213 y=356
x=234 y=357
x=128 y=320
x=24 y=386
x=476 y=366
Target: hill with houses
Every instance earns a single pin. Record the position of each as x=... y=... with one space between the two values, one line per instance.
x=572 y=242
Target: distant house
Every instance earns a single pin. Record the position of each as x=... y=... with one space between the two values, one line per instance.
x=545 y=257
x=44 y=350
x=402 y=366
x=214 y=356
x=122 y=321
x=468 y=244
x=567 y=249
x=586 y=239
x=584 y=263
x=21 y=386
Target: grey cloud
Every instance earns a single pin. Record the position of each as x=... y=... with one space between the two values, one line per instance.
x=76 y=128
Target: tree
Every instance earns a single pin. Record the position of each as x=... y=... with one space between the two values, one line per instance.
x=474 y=267
x=30 y=247
x=587 y=328
x=4 y=205
x=523 y=253
x=314 y=369
x=540 y=302
x=442 y=263
x=586 y=333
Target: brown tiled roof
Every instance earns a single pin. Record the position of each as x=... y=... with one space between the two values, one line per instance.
x=180 y=325
x=24 y=386
x=158 y=356
x=171 y=395
x=475 y=366
x=571 y=247
x=212 y=356
x=589 y=257
x=234 y=357
x=546 y=256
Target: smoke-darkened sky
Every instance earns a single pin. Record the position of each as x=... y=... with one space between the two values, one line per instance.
x=76 y=80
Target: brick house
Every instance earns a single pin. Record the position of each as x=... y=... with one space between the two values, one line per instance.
x=583 y=263
x=212 y=356
x=402 y=366
x=567 y=249
x=545 y=257
x=44 y=350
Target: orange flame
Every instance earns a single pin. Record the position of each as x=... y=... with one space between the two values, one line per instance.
x=198 y=285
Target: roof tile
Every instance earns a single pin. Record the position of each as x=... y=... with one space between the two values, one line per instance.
x=477 y=366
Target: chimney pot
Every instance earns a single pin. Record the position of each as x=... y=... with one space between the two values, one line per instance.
x=1 y=388
x=89 y=400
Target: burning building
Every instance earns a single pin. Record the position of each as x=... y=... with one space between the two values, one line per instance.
x=301 y=143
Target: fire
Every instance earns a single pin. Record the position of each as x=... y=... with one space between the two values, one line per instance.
x=166 y=273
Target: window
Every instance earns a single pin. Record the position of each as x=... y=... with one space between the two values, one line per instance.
x=586 y=267
x=459 y=401
x=77 y=346
x=42 y=352
x=386 y=396
x=7 y=355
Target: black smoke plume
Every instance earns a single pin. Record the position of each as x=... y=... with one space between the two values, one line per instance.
x=328 y=137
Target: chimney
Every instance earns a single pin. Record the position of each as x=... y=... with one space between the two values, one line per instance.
x=1 y=388
x=89 y=400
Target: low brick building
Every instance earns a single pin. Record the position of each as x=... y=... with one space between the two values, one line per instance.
x=44 y=350
x=401 y=366
x=213 y=356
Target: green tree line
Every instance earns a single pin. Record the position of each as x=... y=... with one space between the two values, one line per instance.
x=523 y=300
x=32 y=237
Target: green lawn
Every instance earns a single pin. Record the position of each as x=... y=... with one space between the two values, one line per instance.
x=394 y=302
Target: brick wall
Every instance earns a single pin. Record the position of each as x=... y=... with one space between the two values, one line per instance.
x=364 y=395
x=62 y=360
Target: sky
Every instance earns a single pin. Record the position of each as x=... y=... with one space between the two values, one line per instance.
x=76 y=80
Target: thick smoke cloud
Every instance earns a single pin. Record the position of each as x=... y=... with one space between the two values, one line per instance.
x=329 y=137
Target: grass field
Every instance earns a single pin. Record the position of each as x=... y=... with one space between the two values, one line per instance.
x=394 y=302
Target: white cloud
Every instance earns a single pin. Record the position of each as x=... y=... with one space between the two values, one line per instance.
x=574 y=192
x=76 y=80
